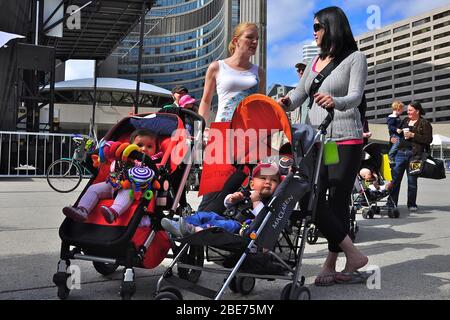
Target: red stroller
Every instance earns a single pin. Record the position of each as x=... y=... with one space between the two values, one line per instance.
x=123 y=242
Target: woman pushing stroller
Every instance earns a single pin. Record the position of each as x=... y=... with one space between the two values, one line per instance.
x=341 y=90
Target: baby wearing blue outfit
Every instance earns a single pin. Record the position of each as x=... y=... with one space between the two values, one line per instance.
x=264 y=181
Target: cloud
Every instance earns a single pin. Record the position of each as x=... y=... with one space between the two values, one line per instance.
x=79 y=69
x=286 y=55
x=288 y=18
x=392 y=11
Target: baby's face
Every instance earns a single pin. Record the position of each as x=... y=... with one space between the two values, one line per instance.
x=147 y=144
x=265 y=185
x=400 y=111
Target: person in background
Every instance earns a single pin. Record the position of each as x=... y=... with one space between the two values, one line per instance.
x=299 y=115
x=177 y=93
x=394 y=121
x=416 y=139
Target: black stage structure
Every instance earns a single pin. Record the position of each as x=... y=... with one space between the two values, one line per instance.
x=28 y=65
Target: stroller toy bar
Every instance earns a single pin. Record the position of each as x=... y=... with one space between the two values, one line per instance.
x=141 y=178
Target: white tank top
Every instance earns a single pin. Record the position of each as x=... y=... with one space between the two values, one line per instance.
x=232 y=86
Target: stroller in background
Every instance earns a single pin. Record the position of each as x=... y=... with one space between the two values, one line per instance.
x=124 y=243
x=365 y=199
x=279 y=228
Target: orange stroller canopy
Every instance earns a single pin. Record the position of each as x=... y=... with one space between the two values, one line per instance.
x=255 y=118
x=259 y=112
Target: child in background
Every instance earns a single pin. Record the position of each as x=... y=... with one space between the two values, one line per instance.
x=187 y=102
x=393 y=121
x=264 y=181
x=147 y=142
x=370 y=181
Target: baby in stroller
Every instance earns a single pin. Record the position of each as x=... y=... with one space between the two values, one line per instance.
x=371 y=186
x=265 y=179
x=371 y=183
x=119 y=180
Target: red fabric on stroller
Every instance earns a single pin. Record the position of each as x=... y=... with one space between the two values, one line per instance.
x=255 y=112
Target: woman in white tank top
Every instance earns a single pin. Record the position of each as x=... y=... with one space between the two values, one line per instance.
x=235 y=77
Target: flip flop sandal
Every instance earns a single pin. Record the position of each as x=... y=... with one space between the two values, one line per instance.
x=354 y=277
x=325 y=283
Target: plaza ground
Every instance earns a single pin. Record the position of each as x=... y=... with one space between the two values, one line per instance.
x=412 y=252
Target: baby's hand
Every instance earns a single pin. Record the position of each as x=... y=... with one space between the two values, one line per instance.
x=399 y=131
x=255 y=196
x=235 y=197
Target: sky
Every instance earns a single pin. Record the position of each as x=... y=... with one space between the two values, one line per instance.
x=289 y=27
x=79 y=69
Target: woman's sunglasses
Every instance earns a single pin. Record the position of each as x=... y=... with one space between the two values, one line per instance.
x=317 y=27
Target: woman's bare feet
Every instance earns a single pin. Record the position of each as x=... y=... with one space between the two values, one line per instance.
x=326 y=276
x=355 y=260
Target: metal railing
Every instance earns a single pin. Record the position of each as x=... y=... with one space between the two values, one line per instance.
x=28 y=154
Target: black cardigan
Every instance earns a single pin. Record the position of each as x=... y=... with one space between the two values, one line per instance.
x=423 y=135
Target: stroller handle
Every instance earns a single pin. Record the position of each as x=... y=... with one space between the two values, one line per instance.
x=326 y=122
x=194 y=115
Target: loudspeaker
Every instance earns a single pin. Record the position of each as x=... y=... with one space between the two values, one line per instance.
x=32 y=57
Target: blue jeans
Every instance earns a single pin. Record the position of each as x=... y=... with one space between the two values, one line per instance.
x=393 y=150
x=212 y=219
x=402 y=159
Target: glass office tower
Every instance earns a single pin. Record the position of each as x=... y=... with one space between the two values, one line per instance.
x=182 y=37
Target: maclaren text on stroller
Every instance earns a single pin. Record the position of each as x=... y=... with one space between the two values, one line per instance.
x=276 y=238
x=123 y=242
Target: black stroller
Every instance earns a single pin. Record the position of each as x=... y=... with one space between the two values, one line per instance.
x=365 y=198
x=278 y=228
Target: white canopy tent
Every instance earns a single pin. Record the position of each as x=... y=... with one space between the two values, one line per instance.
x=440 y=142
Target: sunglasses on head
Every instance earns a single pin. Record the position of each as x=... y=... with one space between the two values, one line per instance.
x=317 y=27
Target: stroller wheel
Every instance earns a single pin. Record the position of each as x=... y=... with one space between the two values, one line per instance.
x=368 y=213
x=105 y=268
x=245 y=285
x=60 y=279
x=391 y=213
x=172 y=290
x=63 y=292
x=127 y=290
x=396 y=213
x=312 y=236
x=233 y=285
x=300 y=293
x=166 y=295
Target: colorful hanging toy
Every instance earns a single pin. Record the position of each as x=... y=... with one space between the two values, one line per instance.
x=141 y=182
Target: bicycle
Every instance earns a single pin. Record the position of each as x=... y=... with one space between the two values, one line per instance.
x=64 y=175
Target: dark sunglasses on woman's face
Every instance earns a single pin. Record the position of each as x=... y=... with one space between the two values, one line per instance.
x=317 y=27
